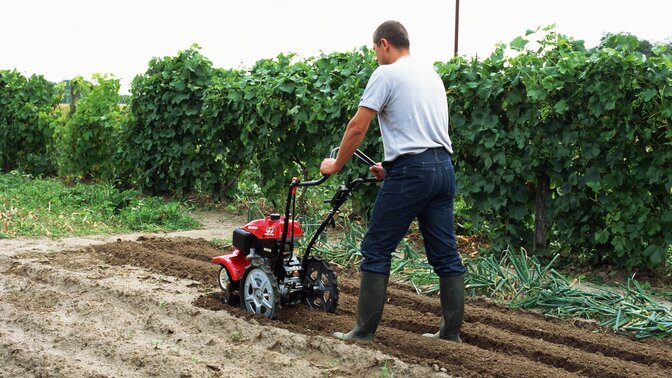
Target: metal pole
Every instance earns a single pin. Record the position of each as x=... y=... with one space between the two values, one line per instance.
x=457 y=24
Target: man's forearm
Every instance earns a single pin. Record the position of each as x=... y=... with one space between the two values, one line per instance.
x=352 y=138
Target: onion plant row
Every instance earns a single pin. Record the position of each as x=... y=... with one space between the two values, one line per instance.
x=522 y=282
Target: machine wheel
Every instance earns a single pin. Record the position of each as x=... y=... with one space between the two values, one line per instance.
x=225 y=284
x=321 y=288
x=259 y=293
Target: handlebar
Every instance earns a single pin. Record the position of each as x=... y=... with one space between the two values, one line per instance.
x=364 y=158
x=313 y=182
x=359 y=154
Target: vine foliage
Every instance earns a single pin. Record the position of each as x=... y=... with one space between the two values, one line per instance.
x=557 y=147
x=26 y=107
x=590 y=128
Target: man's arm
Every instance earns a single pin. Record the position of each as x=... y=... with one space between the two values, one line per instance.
x=352 y=138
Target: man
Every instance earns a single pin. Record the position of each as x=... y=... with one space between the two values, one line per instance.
x=410 y=101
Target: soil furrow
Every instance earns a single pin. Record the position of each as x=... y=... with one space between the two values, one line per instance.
x=143 y=323
x=163 y=260
x=487 y=327
x=149 y=311
x=563 y=333
x=462 y=357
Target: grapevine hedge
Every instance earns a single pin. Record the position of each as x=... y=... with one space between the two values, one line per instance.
x=91 y=140
x=284 y=117
x=25 y=123
x=557 y=147
x=579 y=137
x=169 y=140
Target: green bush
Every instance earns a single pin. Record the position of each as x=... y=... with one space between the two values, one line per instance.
x=283 y=116
x=90 y=140
x=168 y=136
x=26 y=107
x=589 y=127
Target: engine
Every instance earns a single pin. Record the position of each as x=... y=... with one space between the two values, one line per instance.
x=261 y=241
x=264 y=236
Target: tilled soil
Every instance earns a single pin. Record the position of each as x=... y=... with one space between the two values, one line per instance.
x=151 y=308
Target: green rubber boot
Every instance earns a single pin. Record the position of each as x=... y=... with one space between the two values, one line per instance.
x=452 y=308
x=372 y=294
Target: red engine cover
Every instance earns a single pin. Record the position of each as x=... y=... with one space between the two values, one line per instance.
x=268 y=228
x=263 y=229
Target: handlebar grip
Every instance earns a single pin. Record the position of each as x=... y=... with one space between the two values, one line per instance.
x=314 y=182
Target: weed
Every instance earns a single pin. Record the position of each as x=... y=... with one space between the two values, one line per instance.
x=385 y=371
x=332 y=363
x=221 y=242
x=236 y=336
x=128 y=334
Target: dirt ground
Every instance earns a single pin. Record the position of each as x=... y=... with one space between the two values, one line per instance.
x=148 y=305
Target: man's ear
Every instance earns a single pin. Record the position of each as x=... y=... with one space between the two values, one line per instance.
x=384 y=43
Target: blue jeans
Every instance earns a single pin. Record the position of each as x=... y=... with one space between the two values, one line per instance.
x=421 y=186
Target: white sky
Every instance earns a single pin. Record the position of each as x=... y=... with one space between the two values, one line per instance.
x=63 y=39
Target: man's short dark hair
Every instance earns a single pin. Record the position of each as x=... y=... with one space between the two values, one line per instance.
x=394 y=32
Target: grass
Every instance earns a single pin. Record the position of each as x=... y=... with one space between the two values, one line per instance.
x=47 y=207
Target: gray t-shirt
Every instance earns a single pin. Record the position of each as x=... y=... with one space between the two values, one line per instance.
x=412 y=108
